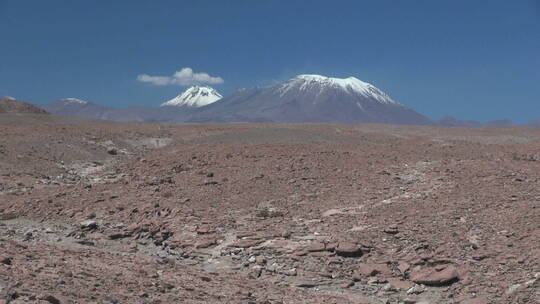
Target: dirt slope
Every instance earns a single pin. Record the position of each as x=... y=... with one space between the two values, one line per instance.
x=9 y=105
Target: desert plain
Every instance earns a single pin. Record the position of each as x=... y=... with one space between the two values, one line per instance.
x=103 y=212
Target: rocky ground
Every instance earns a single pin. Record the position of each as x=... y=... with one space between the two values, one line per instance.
x=99 y=212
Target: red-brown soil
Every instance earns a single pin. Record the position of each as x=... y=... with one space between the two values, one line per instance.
x=100 y=212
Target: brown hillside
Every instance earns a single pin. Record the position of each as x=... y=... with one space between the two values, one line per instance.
x=9 y=105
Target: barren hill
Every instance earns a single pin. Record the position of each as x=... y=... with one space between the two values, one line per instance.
x=11 y=105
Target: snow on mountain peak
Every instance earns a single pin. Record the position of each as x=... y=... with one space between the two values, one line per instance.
x=351 y=85
x=9 y=98
x=74 y=100
x=195 y=96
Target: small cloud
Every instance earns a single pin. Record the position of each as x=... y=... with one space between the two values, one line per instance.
x=184 y=77
x=157 y=80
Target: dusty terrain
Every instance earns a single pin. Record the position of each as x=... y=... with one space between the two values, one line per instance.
x=99 y=212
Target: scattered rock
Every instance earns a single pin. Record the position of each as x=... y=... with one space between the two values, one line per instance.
x=331 y=212
x=6 y=260
x=305 y=223
x=307 y=284
x=480 y=300
x=288 y=272
x=205 y=243
x=112 y=151
x=417 y=289
x=8 y=216
x=400 y=284
x=391 y=230
x=118 y=235
x=403 y=267
x=434 y=276
x=286 y=234
x=269 y=213
x=315 y=246
x=88 y=225
x=255 y=271
x=205 y=229
x=260 y=260
x=246 y=243
x=372 y=269
x=349 y=250
x=85 y=242
x=51 y=299
x=347 y=284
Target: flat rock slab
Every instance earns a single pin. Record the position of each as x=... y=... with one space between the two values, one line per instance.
x=372 y=269
x=246 y=243
x=347 y=249
x=433 y=277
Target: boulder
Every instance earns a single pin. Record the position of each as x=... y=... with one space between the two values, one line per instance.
x=350 y=250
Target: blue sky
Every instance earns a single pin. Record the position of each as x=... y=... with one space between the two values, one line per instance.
x=470 y=59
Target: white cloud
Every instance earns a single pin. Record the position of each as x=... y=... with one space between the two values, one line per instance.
x=184 y=77
x=157 y=80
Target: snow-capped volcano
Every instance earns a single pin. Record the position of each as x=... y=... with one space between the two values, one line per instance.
x=196 y=97
x=311 y=98
x=73 y=101
x=317 y=84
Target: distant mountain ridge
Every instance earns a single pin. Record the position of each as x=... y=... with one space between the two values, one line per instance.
x=76 y=107
x=533 y=123
x=449 y=121
x=304 y=98
x=499 y=123
x=81 y=108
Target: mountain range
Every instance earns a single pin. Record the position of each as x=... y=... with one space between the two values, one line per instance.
x=76 y=107
x=304 y=98
x=534 y=123
x=310 y=98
